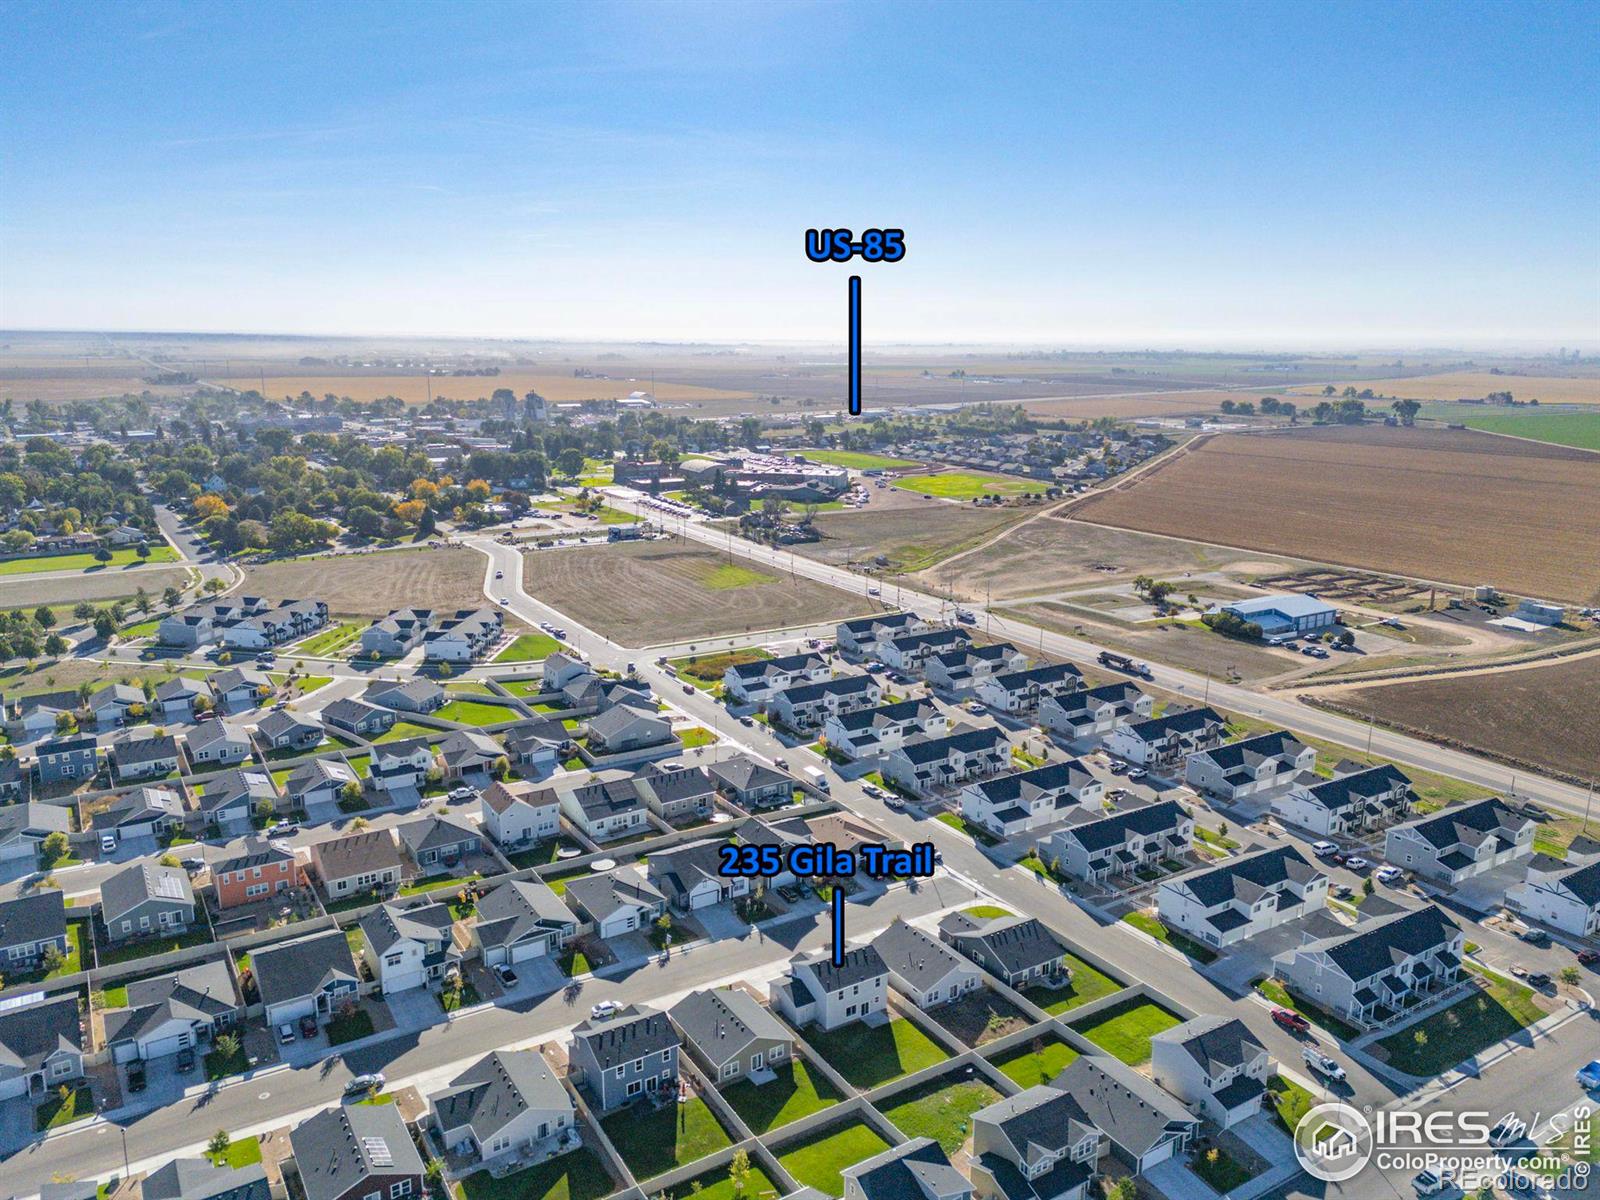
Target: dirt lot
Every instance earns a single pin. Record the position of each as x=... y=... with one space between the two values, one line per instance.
x=648 y=593
x=911 y=533
x=70 y=672
x=1475 y=385
x=1053 y=553
x=24 y=591
x=363 y=585
x=1541 y=717
x=1435 y=504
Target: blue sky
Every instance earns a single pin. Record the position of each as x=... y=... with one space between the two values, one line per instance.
x=1087 y=174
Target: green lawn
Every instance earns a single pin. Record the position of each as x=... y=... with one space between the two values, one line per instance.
x=330 y=641
x=796 y=1092
x=528 y=687
x=401 y=730
x=956 y=821
x=818 y=1160
x=870 y=1055
x=967 y=485
x=84 y=562
x=575 y=1176
x=661 y=1139
x=79 y=1103
x=528 y=647
x=984 y=912
x=1467 y=1027
x=219 y=1066
x=343 y=1029
x=242 y=1152
x=145 y=947
x=71 y=964
x=1038 y=1062
x=1088 y=983
x=476 y=712
x=716 y=1185
x=725 y=577
x=466 y=997
x=1153 y=926
x=698 y=735
x=1125 y=1029
x=1289 y=1101
x=856 y=460
x=1221 y=1171
x=361 y=764
x=940 y=1110
x=115 y=996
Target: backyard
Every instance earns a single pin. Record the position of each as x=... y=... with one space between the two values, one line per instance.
x=796 y=1092
x=575 y=1176
x=818 y=1160
x=868 y=1055
x=1469 y=1026
x=940 y=1109
x=1125 y=1029
x=1088 y=984
x=653 y=1140
x=1040 y=1061
x=476 y=712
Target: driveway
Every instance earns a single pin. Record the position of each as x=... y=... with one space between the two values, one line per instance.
x=536 y=977
x=1487 y=892
x=721 y=922
x=414 y=1008
x=1175 y=1181
x=1249 y=960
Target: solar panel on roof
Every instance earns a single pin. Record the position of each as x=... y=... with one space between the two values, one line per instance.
x=377 y=1150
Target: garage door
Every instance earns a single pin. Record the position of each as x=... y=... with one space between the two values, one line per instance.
x=159 y=1047
x=290 y=1011
x=537 y=948
x=404 y=981
x=1159 y=1155
x=125 y=1052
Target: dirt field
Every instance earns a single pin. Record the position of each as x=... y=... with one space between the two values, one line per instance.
x=912 y=534
x=22 y=591
x=1154 y=404
x=649 y=593
x=1436 y=504
x=414 y=389
x=1053 y=553
x=1542 y=717
x=1474 y=385
x=370 y=585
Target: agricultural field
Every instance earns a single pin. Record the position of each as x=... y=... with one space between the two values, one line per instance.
x=370 y=585
x=911 y=537
x=1133 y=403
x=30 y=591
x=693 y=592
x=1542 y=717
x=1451 y=505
x=1560 y=426
x=1475 y=385
x=968 y=485
x=415 y=389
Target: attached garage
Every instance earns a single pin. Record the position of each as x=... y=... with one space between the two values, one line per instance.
x=530 y=949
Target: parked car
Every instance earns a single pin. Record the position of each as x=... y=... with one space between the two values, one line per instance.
x=781 y=763
x=1589 y=1075
x=688 y=689
x=1589 y=957
x=283 y=829
x=506 y=976
x=136 y=1076
x=1138 y=773
x=1390 y=874
x=1119 y=768
x=1357 y=863
x=365 y=1083
x=894 y=803
x=1539 y=980
x=789 y=894
x=1290 y=1020
x=1324 y=849
x=185 y=1060
x=605 y=1009
x=108 y=843
x=499 y=574
x=1431 y=1182
x=1322 y=1064
x=1343 y=891
x=461 y=793
x=285 y=1034
x=308 y=1026
x=192 y=865
x=1535 y=937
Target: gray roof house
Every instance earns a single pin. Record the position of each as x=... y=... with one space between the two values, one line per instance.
x=233 y=796
x=615 y=902
x=1019 y=950
x=408 y=945
x=622 y=730
x=689 y=877
x=145 y=899
x=509 y=1102
x=437 y=843
x=676 y=793
x=1215 y=1065
x=1026 y=801
x=732 y=1035
x=1040 y=1144
x=358 y=862
x=470 y=754
x=1144 y=1124
x=309 y=976
x=1356 y=799
x=1255 y=766
x=355 y=716
x=922 y=968
x=142 y=812
x=815 y=989
x=140 y=757
x=284 y=730
x=172 y=1012
x=1462 y=841
x=521 y=919
x=1243 y=896
x=198 y=1179
x=41 y=1047
x=751 y=783
x=914 y=1170
x=214 y=742
x=24 y=827
x=410 y=695
x=355 y=1151
x=626 y=1058
x=316 y=782
x=29 y=925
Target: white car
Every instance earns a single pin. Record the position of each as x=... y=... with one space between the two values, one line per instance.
x=1323 y=849
x=1357 y=863
x=1431 y=1183
x=1390 y=874
x=1322 y=1064
x=605 y=1009
x=872 y=591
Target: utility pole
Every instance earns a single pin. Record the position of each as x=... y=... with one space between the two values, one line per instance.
x=1589 y=800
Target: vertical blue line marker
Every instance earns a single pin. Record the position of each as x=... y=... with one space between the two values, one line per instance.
x=854 y=337
x=838 y=892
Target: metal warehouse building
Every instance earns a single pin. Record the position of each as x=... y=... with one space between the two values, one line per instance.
x=1284 y=617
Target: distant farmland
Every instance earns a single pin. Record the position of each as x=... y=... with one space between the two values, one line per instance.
x=1475 y=385
x=1562 y=426
x=1451 y=505
x=415 y=389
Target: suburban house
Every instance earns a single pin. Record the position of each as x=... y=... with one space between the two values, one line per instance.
x=41 y=1047
x=922 y=968
x=284 y=730
x=509 y=1102
x=262 y=870
x=910 y=651
x=1354 y=801
x=1019 y=950
x=146 y=757
x=436 y=843
x=115 y=704
x=866 y=733
x=310 y=976
x=355 y=1152
x=1144 y=1125
x=218 y=743
x=38 y=716
x=67 y=759
x=408 y=946
x=179 y=698
x=399 y=765
x=815 y=990
x=317 y=782
x=676 y=793
x=1462 y=841
x=809 y=705
x=625 y=1058
x=241 y=688
x=355 y=716
x=963 y=670
x=13 y=781
x=397 y=634
x=1165 y=740
x=173 y=1012
x=538 y=746
x=1372 y=973
x=200 y=1179
x=864 y=636
x=232 y=797
x=368 y=861
x=1243 y=896
x=1037 y=1145
x=521 y=919
x=1561 y=895
x=757 y=682
x=751 y=783
x=1024 y=801
x=1120 y=843
x=924 y=765
x=145 y=898
x=515 y=812
x=1021 y=692
x=1215 y=1065
x=1283 y=618
x=616 y=902
x=624 y=730
x=144 y=812
x=24 y=827
x=29 y=925
x=731 y=1035
x=1095 y=712
x=605 y=807
x=1254 y=766
x=914 y=1170
x=467 y=634
x=283 y=622
x=468 y=754
x=410 y=695
x=689 y=878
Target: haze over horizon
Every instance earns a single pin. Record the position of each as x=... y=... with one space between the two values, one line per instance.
x=1149 y=176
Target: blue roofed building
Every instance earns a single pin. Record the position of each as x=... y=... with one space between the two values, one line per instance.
x=1286 y=616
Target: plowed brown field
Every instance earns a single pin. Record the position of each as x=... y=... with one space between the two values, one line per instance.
x=1450 y=505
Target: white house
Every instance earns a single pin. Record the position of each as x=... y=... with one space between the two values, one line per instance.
x=809 y=705
x=757 y=682
x=516 y=812
x=1353 y=801
x=926 y=764
x=962 y=670
x=1095 y=712
x=1256 y=766
x=1024 y=801
x=1561 y=895
x=1121 y=843
x=872 y=732
x=1165 y=740
x=1243 y=896
x=1461 y=842
x=1375 y=972
x=815 y=990
x=508 y=1103
x=863 y=637
x=1020 y=692
x=1215 y=1065
x=922 y=968
x=407 y=947
x=911 y=651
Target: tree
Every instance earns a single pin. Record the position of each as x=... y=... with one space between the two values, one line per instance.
x=1366 y=886
x=102 y=555
x=1570 y=975
x=739 y=1171
x=570 y=462
x=501 y=767
x=351 y=792
x=227 y=1044
x=410 y=511
x=219 y=1143
x=208 y=506
x=65 y=722
x=141 y=601
x=1227 y=406
x=1120 y=1189
x=172 y=597
x=83 y=611
x=55 y=645
x=1406 y=410
x=52 y=958
x=44 y=616
x=168 y=860
x=143 y=550
x=54 y=848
